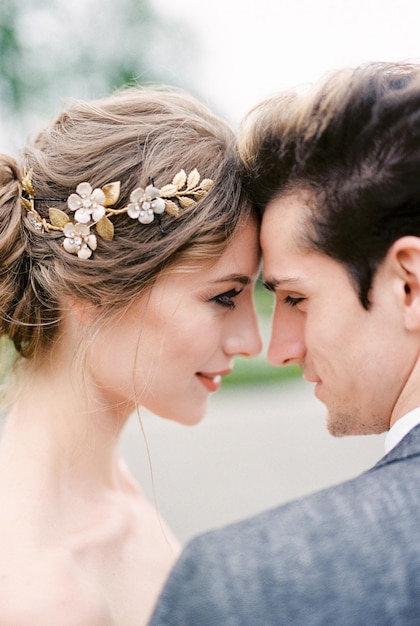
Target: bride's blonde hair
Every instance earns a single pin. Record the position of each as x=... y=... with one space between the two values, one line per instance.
x=133 y=136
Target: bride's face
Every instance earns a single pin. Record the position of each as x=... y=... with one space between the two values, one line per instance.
x=169 y=351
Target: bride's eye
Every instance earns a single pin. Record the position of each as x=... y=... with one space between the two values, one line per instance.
x=226 y=299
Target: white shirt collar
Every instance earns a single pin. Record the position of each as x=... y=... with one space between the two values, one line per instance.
x=401 y=427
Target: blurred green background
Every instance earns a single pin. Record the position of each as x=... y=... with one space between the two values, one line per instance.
x=51 y=50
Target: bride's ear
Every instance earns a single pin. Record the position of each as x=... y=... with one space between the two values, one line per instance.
x=82 y=310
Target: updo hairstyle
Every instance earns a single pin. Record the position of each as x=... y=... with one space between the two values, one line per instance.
x=134 y=136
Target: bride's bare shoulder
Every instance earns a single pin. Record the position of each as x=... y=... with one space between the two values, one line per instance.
x=49 y=591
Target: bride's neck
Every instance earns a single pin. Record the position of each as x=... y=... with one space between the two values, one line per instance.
x=60 y=424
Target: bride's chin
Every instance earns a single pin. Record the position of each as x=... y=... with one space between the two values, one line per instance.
x=188 y=418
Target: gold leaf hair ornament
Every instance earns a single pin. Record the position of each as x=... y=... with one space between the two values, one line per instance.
x=92 y=208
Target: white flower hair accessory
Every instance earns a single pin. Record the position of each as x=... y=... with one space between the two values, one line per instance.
x=87 y=203
x=79 y=240
x=145 y=203
x=92 y=208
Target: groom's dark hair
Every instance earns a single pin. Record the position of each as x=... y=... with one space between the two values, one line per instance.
x=354 y=143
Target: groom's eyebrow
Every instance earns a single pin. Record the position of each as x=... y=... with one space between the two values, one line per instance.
x=272 y=283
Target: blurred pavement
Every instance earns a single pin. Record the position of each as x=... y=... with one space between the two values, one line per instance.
x=258 y=447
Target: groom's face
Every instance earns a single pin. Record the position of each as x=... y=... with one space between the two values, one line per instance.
x=352 y=355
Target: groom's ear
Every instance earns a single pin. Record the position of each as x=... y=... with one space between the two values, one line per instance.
x=404 y=259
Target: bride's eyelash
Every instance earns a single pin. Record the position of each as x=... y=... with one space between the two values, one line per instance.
x=226 y=299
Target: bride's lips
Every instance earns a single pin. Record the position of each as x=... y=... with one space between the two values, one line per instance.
x=212 y=380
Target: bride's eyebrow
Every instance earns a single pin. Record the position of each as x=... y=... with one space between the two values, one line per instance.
x=236 y=278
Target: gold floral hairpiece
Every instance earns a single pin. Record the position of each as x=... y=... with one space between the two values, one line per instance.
x=92 y=208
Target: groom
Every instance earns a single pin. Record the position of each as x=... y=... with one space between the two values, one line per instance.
x=336 y=174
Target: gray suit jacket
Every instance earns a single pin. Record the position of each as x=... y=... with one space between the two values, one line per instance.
x=348 y=555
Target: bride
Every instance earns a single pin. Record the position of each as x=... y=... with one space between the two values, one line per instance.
x=128 y=258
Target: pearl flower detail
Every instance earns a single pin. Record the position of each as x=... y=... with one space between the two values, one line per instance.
x=79 y=240
x=87 y=203
x=145 y=203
